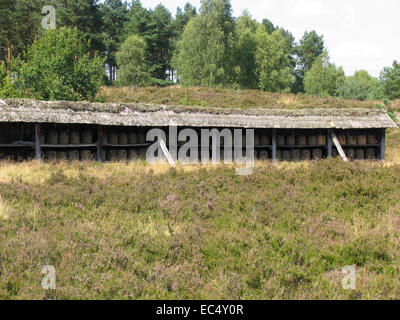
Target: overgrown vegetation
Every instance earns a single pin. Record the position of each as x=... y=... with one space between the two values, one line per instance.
x=131 y=57
x=229 y=98
x=134 y=231
x=59 y=66
x=204 y=46
x=388 y=108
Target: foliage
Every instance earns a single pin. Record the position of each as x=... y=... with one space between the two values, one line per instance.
x=324 y=78
x=376 y=92
x=60 y=67
x=7 y=88
x=160 y=83
x=85 y=15
x=20 y=24
x=390 y=78
x=157 y=29
x=273 y=61
x=245 y=51
x=204 y=54
x=269 y=26
x=131 y=59
x=205 y=47
x=182 y=17
x=388 y=108
x=114 y=14
x=361 y=86
x=163 y=46
x=310 y=47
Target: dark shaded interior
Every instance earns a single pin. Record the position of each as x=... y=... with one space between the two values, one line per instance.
x=25 y=141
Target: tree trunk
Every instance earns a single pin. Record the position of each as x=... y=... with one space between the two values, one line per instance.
x=8 y=57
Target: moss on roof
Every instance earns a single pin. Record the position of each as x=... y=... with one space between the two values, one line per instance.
x=118 y=108
x=136 y=114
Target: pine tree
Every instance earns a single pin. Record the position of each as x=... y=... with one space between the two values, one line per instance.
x=114 y=15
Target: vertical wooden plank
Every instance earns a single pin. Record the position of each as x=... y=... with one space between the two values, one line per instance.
x=38 y=151
x=383 y=144
x=329 y=142
x=99 y=144
x=274 y=145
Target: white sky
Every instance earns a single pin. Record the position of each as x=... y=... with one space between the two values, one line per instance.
x=358 y=34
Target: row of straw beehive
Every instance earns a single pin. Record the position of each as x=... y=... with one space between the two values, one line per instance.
x=122 y=138
x=289 y=140
x=361 y=139
x=358 y=152
x=315 y=154
x=11 y=133
x=357 y=140
x=67 y=137
x=314 y=140
x=86 y=136
x=17 y=155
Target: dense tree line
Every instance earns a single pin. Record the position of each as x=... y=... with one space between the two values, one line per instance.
x=204 y=46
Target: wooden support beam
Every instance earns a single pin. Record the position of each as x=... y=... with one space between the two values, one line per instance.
x=329 y=143
x=38 y=151
x=273 y=145
x=339 y=147
x=383 y=144
x=166 y=153
x=99 y=145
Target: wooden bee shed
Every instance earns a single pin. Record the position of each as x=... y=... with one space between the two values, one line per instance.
x=117 y=132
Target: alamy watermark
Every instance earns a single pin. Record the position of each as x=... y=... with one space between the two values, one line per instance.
x=194 y=149
x=349 y=279
x=49 y=280
x=49 y=20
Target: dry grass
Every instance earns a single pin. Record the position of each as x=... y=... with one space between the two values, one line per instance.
x=227 y=98
x=5 y=209
x=393 y=147
x=138 y=231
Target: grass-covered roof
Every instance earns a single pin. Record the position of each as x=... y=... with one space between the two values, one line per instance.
x=139 y=114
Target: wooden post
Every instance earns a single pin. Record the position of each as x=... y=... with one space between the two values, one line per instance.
x=167 y=154
x=99 y=144
x=383 y=144
x=37 y=143
x=339 y=147
x=274 y=145
x=329 y=142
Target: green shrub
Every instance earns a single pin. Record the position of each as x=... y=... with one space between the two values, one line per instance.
x=60 y=66
x=161 y=83
x=387 y=107
x=131 y=59
x=8 y=89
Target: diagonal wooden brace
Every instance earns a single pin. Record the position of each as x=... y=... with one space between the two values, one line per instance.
x=166 y=153
x=339 y=147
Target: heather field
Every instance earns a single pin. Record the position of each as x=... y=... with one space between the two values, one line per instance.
x=228 y=98
x=135 y=231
